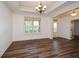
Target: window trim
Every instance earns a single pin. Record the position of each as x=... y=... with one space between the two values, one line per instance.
x=29 y=33
x=55 y=21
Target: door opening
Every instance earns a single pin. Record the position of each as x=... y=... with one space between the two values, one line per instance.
x=75 y=29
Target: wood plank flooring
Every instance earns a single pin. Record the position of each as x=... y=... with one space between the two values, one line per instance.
x=44 y=48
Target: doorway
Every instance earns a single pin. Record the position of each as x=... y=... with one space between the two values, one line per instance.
x=75 y=29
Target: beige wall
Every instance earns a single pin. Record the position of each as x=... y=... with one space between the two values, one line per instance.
x=18 y=28
x=5 y=28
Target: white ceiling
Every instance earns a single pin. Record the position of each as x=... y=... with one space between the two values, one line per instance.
x=29 y=6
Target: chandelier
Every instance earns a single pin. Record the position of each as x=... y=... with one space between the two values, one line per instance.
x=73 y=13
x=40 y=8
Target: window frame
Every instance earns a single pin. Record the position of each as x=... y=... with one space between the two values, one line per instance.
x=32 y=27
x=55 y=31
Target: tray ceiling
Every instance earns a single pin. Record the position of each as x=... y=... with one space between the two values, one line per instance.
x=29 y=6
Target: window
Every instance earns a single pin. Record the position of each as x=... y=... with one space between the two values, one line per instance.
x=32 y=26
x=55 y=26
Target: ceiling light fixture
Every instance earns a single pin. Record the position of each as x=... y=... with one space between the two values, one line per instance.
x=41 y=8
x=73 y=13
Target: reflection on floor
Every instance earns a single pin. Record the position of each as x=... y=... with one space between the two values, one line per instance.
x=44 y=48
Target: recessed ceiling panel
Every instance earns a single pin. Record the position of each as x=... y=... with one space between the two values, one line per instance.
x=29 y=6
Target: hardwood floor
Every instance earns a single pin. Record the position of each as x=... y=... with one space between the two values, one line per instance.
x=44 y=48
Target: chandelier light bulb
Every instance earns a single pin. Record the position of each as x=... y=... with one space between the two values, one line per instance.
x=39 y=5
x=36 y=7
x=45 y=6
